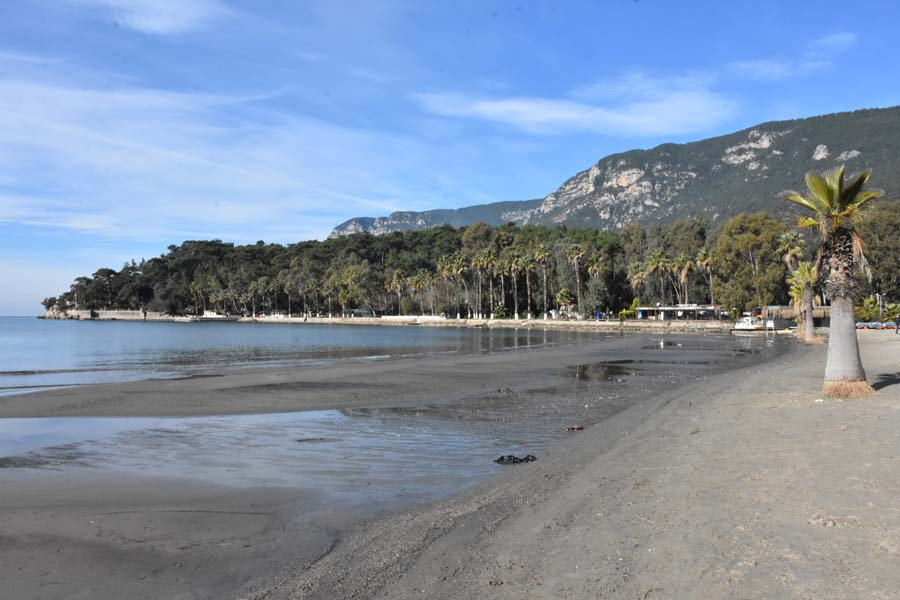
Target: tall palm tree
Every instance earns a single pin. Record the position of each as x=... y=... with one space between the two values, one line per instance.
x=704 y=262
x=595 y=266
x=803 y=282
x=513 y=262
x=575 y=253
x=395 y=284
x=658 y=264
x=528 y=264
x=542 y=255
x=686 y=266
x=834 y=206
x=637 y=277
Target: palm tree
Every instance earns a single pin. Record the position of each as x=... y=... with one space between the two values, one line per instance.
x=527 y=263
x=803 y=282
x=685 y=267
x=513 y=263
x=790 y=246
x=637 y=277
x=395 y=284
x=575 y=253
x=704 y=264
x=490 y=264
x=834 y=206
x=595 y=266
x=542 y=255
x=658 y=264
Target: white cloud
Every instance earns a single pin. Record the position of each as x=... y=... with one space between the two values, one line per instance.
x=818 y=56
x=161 y=17
x=634 y=104
x=141 y=162
x=763 y=69
x=836 y=42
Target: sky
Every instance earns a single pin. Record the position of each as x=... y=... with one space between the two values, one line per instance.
x=130 y=125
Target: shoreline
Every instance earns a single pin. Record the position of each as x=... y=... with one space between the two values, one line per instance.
x=400 y=381
x=162 y=537
x=430 y=321
x=675 y=497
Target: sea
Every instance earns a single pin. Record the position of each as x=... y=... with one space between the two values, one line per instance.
x=379 y=458
x=37 y=354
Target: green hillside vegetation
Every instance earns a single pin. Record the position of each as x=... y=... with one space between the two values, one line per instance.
x=480 y=269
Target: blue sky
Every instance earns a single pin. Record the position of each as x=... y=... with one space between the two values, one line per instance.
x=128 y=125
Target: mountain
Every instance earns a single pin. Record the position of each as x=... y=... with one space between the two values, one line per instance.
x=717 y=177
x=495 y=213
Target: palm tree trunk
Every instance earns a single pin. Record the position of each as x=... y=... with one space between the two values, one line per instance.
x=528 y=291
x=515 y=292
x=844 y=373
x=578 y=286
x=491 y=284
x=809 y=327
x=480 y=307
x=544 y=271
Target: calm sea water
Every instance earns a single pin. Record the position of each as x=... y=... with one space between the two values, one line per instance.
x=37 y=354
x=369 y=458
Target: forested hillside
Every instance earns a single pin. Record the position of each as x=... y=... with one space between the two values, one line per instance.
x=481 y=269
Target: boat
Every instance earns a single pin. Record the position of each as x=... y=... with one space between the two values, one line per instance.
x=209 y=315
x=749 y=324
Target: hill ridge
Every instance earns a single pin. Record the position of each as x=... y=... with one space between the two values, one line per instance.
x=718 y=177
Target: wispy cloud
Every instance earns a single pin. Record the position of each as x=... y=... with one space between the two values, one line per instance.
x=143 y=162
x=166 y=17
x=818 y=56
x=636 y=103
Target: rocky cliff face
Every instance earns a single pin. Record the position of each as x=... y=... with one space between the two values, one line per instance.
x=718 y=177
x=492 y=214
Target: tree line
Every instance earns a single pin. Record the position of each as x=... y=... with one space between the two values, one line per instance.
x=479 y=270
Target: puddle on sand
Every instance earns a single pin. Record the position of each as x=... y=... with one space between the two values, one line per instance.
x=384 y=457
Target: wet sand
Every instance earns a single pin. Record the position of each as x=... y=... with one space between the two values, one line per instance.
x=73 y=533
x=746 y=485
x=419 y=380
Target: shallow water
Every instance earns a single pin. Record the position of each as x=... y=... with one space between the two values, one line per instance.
x=384 y=457
x=37 y=354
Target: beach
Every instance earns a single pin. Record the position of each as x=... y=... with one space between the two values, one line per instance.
x=748 y=485
x=736 y=480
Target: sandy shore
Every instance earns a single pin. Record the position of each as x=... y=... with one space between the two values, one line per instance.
x=94 y=533
x=418 y=380
x=747 y=485
x=735 y=485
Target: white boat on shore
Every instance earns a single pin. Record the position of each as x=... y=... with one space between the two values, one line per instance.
x=749 y=324
x=213 y=316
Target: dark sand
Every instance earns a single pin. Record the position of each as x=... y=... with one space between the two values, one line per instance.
x=91 y=533
x=747 y=485
x=732 y=485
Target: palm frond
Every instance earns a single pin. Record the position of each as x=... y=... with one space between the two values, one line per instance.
x=859 y=255
x=854 y=187
x=804 y=222
x=804 y=202
x=820 y=190
x=835 y=180
x=862 y=197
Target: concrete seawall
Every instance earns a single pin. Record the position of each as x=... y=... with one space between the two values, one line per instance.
x=428 y=321
x=586 y=325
